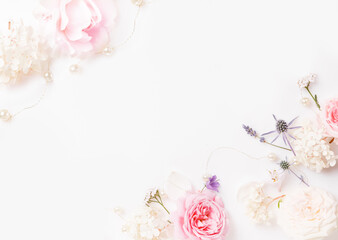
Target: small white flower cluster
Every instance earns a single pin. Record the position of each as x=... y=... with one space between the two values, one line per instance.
x=305 y=81
x=256 y=203
x=151 y=194
x=22 y=52
x=311 y=149
x=148 y=223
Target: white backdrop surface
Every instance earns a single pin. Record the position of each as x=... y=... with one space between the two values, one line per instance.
x=193 y=73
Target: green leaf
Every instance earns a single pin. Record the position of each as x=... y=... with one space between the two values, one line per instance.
x=279 y=202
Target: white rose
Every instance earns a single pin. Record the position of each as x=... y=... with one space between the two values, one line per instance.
x=308 y=214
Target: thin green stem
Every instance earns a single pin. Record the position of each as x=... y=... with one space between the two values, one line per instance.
x=314 y=98
x=288 y=149
x=203 y=188
x=160 y=198
x=161 y=203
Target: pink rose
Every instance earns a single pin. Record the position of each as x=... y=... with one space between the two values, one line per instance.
x=201 y=216
x=330 y=117
x=81 y=25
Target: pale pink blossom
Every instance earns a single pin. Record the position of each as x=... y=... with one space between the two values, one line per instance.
x=81 y=26
x=330 y=117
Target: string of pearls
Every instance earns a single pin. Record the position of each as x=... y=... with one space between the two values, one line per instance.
x=5 y=114
x=271 y=156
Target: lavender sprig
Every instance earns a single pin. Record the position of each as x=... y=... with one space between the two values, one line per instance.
x=254 y=134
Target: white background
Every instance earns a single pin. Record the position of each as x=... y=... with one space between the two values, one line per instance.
x=193 y=73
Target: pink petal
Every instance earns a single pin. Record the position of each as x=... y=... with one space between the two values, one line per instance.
x=95 y=11
x=79 y=18
x=100 y=37
x=108 y=11
x=63 y=16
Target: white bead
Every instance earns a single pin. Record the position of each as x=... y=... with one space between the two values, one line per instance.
x=305 y=101
x=118 y=211
x=74 y=68
x=163 y=194
x=5 y=115
x=138 y=2
x=48 y=76
x=108 y=51
x=272 y=156
x=124 y=229
x=206 y=177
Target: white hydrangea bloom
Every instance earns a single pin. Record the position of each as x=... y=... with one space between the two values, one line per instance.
x=305 y=81
x=255 y=201
x=311 y=148
x=22 y=51
x=148 y=223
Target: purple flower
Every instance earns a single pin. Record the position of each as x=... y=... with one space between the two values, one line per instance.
x=250 y=131
x=213 y=183
x=282 y=128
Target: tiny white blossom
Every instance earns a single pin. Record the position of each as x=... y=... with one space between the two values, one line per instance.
x=151 y=194
x=305 y=81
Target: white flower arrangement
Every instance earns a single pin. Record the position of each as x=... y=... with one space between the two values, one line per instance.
x=308 y=213
x=199 y=214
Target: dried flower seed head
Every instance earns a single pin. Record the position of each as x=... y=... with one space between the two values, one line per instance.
x=285 y=165
x=281 y=126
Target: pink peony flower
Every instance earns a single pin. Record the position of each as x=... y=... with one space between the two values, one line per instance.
x=201 y=216
x=82 y=26
x=330 y=117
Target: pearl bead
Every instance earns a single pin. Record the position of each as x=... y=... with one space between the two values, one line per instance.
x=74 y=68
x=118 y=211
x=138 y=2
x=48 y=76
x=206 y=177
x=108 y=51
x=272 y=156
x=305 y=101
x=5 y=115
x=124 y=229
